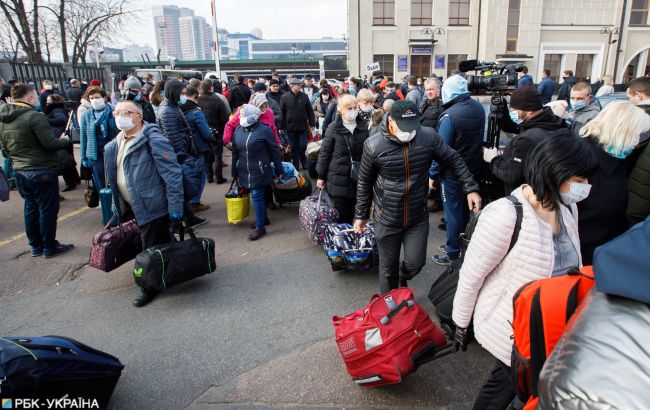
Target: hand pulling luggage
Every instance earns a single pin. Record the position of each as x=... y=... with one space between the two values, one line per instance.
x=164 y=266
x=237 y=203
x=113 y=247
x=51 y=367
x=347 y=250
x=106 y=203
x=388 y=339
x=283 y=196
x=315 y=212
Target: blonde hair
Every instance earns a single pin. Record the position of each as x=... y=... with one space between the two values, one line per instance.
x=618 y=126
x=366 y=95
x=346 y=101
x=608 y=79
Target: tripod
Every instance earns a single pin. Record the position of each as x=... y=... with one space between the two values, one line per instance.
x=491 y=186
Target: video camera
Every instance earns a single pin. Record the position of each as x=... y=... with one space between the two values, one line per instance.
x=505 y=78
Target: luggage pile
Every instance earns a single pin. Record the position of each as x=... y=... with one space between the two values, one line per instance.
x=292 y=186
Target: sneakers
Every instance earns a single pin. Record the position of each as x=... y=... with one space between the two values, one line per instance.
x=196 y=221
x=144 y=298
x=199 y=207
x=257 y=234
x=57 y=250
x=442 y=260
x=36 y=252
x=266 y=222
x=442 y=249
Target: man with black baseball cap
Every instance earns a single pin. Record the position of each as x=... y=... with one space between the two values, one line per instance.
x=532 y=121
x=394 y=172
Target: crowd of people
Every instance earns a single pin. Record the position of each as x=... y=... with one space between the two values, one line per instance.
x=581 y=171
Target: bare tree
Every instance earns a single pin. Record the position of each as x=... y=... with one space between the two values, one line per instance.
x=24 y=23
x=9 y=44
x=49 y=36
x=58 y=10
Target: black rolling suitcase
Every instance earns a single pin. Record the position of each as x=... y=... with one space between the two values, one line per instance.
x=283 y=196
x=51 y=367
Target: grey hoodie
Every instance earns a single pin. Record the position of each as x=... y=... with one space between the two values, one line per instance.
x=577 y=119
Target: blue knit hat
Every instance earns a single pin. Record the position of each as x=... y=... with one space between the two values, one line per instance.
x=453 y=87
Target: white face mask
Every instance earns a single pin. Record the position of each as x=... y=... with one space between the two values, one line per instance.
x=48 y=86
x=98 y=104
x=403 y=136
x=578 y=191
x=351 y=115
x=124 y=123
x=325 y=97
x=366 y=108
x=243 y=121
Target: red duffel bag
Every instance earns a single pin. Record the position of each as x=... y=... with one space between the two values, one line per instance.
x=388 y=339
x=113 y=247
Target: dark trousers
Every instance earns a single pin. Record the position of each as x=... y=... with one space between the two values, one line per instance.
x=155 y=232
x=213 y=158
x=498 y=390
x=99 y=179
x=298 y=141
x=456 y=214
x=345 y=207
x=40 y=190
x=390 y=240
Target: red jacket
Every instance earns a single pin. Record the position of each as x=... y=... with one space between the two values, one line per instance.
x=267 y=118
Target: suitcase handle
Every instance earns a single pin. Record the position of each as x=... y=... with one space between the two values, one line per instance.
x=405 y=303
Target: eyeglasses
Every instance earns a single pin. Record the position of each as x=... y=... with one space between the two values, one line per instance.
x=124 y=113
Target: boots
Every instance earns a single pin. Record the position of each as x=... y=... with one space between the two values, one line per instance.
x=257 y=234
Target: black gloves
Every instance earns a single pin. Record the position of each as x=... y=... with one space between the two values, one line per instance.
x=460 y=339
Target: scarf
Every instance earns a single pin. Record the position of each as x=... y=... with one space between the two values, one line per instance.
x=101 y=123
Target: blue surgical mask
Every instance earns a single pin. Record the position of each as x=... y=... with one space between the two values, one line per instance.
x=183 y=100
x=37 y=107
x=353 y=90
x=578 y=191
x=515 y=117
x=622 y=155
x=577 y=105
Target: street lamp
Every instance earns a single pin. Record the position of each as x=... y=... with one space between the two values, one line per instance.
x=439 y=31
x=294 y=49
x=610 y=40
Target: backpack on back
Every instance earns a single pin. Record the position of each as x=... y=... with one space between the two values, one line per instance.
x=541 y=311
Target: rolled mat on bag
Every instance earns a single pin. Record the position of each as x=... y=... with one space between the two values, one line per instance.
x=237 y=209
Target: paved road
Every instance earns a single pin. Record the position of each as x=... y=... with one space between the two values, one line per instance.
x=254 y=334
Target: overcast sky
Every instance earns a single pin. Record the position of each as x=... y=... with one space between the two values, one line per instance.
x=277 y=19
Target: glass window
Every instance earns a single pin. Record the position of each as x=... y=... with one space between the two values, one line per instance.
x=630 y=71
x=421 y=12
x=386 y=63
x=584 y=65
x=459 y=12
x=453 y=60
x=383 y=12
x=553 y=62
x=512 y=33
x=639 y=13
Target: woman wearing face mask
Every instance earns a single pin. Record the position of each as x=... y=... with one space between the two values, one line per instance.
x=613 y=135
x=97 y=129
x=254 y=148
x=322 y=102
x=342 y=146
x=548 y=245
x=267 y=117
x=366 y=100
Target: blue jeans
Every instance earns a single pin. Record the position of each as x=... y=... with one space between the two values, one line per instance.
x=40 y=189
x=99 y=178
x=259 y=203
x=456 y=214
x=200 y=164
x=298 y=141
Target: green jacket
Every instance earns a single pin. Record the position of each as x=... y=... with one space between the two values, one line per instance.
x=638 y=207
x=26 y=137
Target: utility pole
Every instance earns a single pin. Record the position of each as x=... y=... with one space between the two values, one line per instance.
x=215 y=35
x=610 y=40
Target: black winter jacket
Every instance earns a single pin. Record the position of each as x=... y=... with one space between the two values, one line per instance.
x=274 y=104
x=334 y=158
x=148 y=114
x=215 y=112
x=430 y=112
x=57 y=116
x=565 y=89
x=510 y=166
x=240 y=94
x=395 y=175
x=171 y=121
x=74 y=94
x=602 y=216
x=253 y=150
x=297 y=112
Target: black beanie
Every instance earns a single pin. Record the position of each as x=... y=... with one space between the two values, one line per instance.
x=273 y=81
x=526 y=99
x=259 y=87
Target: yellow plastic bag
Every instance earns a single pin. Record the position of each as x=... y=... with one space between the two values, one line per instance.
x=237 y=209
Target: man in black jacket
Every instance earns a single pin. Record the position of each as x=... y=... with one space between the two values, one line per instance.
x=75 y=93
x=240 y=94
x=297 y=120
x=133 y=92
x=532 y=121
x=273 y=95
x=565 y=90
x=461 y=127
x=431 y=106
x=217 y=116
x=394 y=172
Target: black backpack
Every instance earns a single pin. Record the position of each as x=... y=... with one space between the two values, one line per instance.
x=443 y=289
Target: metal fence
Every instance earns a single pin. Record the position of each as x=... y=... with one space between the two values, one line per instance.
x=37 y=72
x=88 y=73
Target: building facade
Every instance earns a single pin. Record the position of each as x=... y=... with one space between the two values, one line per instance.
x=181 y=34
x=196 y=37
x=420 y=37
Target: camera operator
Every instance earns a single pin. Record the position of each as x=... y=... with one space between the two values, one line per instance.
x=532 y=122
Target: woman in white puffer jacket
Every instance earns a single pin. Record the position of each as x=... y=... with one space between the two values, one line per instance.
x=548 y=245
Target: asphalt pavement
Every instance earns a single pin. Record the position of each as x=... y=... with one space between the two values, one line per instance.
x=256 y=333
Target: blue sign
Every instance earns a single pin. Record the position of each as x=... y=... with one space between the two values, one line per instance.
x=440 y=61
x=402 y=63
x=420 y=50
